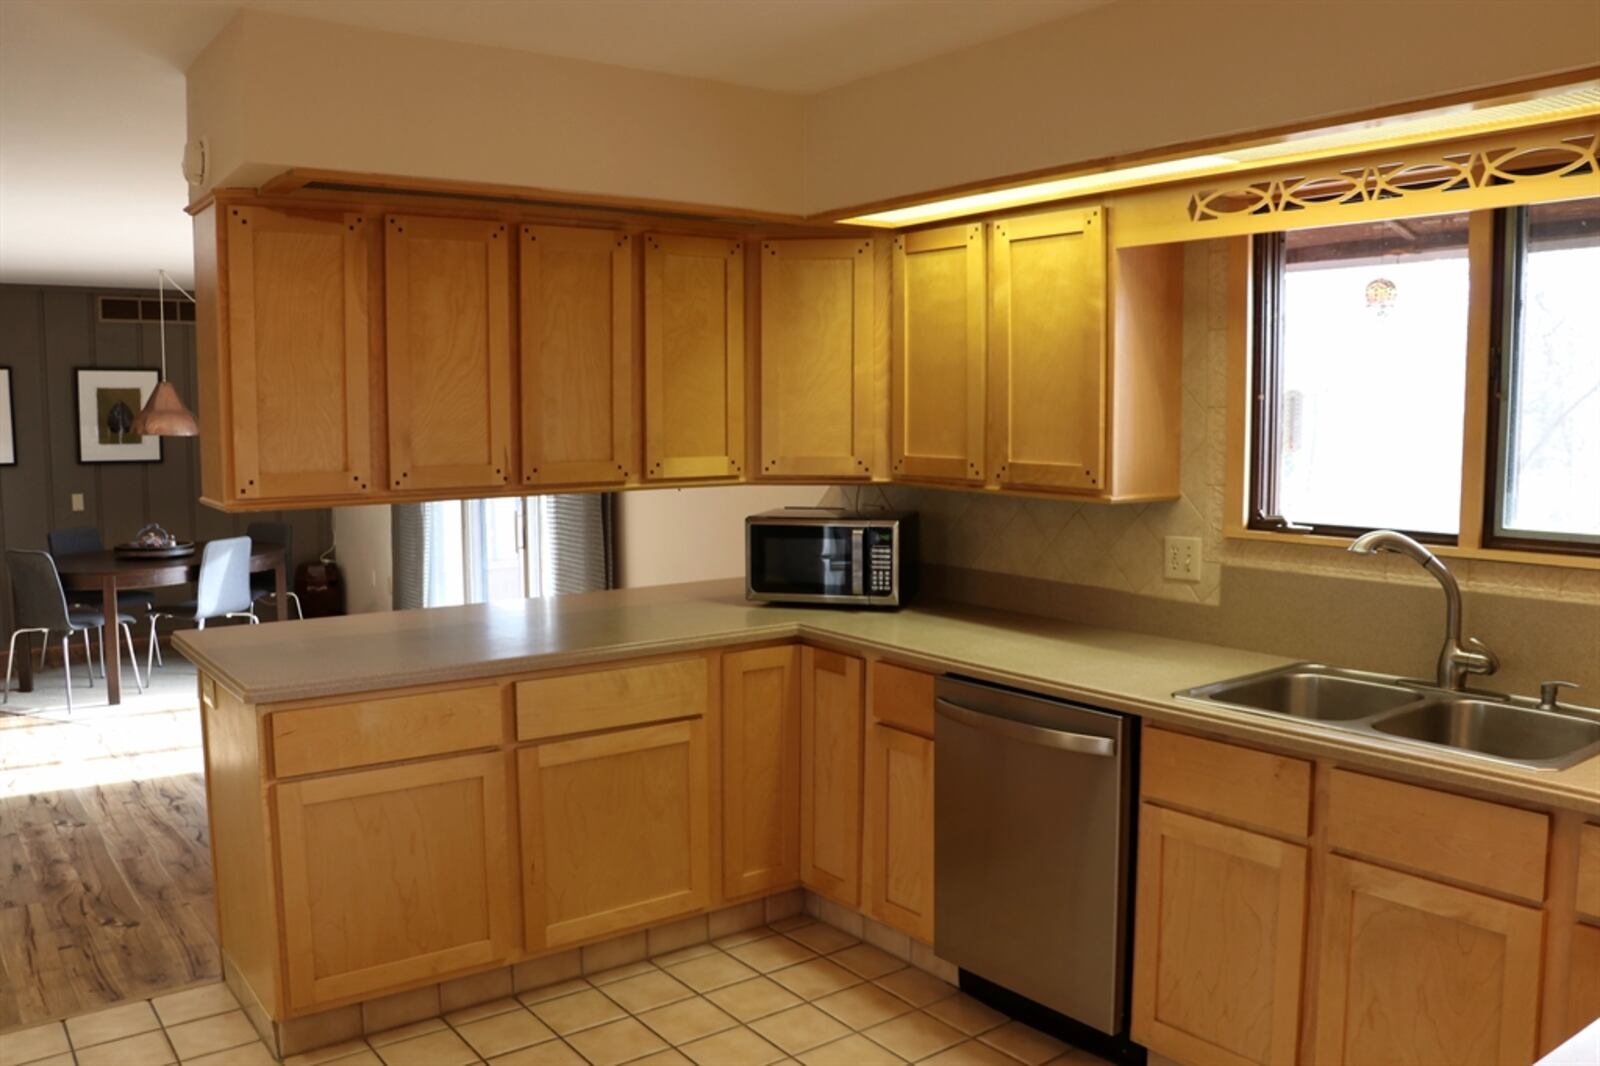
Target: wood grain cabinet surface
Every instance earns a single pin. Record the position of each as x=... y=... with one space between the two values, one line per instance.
x=832 y=722
x=393 y=876
x=299 y=353
x=816 y=380
x=448 y=328
x=577 y=302
x=898 y=830
x=939 y=371
x=760 y=770
x=694 y=381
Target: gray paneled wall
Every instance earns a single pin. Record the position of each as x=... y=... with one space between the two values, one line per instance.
x=45 y=334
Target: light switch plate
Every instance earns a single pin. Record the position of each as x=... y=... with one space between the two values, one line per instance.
x=1181 y=558
x=77 y=501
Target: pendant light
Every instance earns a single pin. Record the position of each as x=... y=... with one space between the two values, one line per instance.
x=164 y=414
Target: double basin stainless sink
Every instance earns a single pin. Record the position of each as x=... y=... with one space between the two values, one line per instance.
x=1509 y=729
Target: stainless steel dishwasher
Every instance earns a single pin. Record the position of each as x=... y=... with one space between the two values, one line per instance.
x=1032 y=820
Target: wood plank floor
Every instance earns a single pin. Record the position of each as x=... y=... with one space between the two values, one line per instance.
x=105 y=869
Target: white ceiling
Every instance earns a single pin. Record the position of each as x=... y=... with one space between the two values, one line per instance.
x=92 y=91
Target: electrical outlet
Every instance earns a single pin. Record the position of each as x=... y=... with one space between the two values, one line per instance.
x=77 y=501
x=1182 y=558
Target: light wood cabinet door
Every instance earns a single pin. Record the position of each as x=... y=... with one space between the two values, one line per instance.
x=1218 y=941
x=832 y=717
x=299 y=353
x=448 y=315
x=577 y=356
x=937 y=409
x=816 y=358
x=1582 y=986
x=393 y=876
x=1047 y=351
x=1417 y=972
x=615 y=831
x=693 y=358
x=760 y=770
x=898 y=829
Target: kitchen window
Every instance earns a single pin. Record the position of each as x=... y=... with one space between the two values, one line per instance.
x=512 y=548
x=1361 y=335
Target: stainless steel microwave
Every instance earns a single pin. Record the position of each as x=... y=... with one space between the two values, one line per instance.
x=827 y=555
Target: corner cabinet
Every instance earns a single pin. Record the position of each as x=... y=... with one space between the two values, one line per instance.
x=448 y=329
x=817 y=380
x=577 y=304
x=760 y=771
x=694 y=387
x=298 y=353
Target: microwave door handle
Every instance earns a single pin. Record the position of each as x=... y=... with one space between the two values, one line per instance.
x=857 y=559
x=1081 y=743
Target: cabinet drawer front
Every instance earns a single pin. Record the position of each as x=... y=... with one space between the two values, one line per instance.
x=608 y=699
x=1589 y=872
x=315 y=740
x=1237 y=784
x=902 y=698
x=1468 y=840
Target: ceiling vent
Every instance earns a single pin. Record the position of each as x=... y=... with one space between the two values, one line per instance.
x=136 y=309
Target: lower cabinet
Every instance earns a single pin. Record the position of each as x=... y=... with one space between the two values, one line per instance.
x=831 y=721
x=1418 y=972
x=898 y=829
x=615 y=831
x=1218 y=941
x=393 y=876
x=1583 y=980
x=760 y=770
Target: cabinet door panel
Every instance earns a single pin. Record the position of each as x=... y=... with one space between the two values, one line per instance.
x=615 y=831
x=831 y=718
x=1583 y=982
x=1218 y=941
x=693 y=358
x=1418 y=972
x=899 y=831
x=299 y=353
x=393 y=876
x=577 y=356
x=937 y=408
x=1047 y=351
x=816 y=358
x=760 y=771
x=449 y=337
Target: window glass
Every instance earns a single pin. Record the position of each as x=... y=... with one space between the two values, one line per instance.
x=1549 y=459
x=1367 y=351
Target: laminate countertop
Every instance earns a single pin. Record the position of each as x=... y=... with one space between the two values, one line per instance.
x=328 y=658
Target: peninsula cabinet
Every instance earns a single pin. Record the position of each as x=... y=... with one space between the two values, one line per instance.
x=298 y=353
x=694 y=387
x=448 y=330
x=831 y=736
x=897 y=827
x=760 y=771
x=937 y=406
x=816 y=358
x=577 y=302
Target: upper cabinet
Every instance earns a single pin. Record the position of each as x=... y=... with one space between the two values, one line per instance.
x=299 y=353
x=693 y=358
x=937 y=406
x=448 y=317
x=577 y=356
x=817 y=361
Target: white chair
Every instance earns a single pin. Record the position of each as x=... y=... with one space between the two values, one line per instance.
x=41 y=607
x=223 y=590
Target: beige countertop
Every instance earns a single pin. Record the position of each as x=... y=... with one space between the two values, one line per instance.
x=1125 y=671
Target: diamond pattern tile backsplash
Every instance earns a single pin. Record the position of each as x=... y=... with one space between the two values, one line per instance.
x=1118 y=546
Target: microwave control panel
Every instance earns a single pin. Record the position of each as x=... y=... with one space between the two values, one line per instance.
x=880 y=562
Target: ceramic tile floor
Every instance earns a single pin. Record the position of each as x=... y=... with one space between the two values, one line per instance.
x=797 y=990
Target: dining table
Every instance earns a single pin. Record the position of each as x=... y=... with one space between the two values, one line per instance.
x=107 y=571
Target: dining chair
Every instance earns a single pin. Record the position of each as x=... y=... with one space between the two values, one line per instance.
x=80 y=540
x=222 y=591
x=40 y=606
x=264 y=585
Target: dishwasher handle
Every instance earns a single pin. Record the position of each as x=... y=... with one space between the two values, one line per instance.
x=1081 y=743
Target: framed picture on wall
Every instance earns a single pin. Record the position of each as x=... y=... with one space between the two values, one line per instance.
x=8 y=420
x=107 y=402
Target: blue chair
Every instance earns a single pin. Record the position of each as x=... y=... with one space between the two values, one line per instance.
x=40 y=606
x=223 y=590
x=81 y=540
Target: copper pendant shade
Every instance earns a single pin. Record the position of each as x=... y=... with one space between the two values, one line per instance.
x=164 y=414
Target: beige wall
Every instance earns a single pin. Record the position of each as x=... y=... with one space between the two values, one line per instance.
x=361 y=539
x=666 y=536
x=271 y=92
